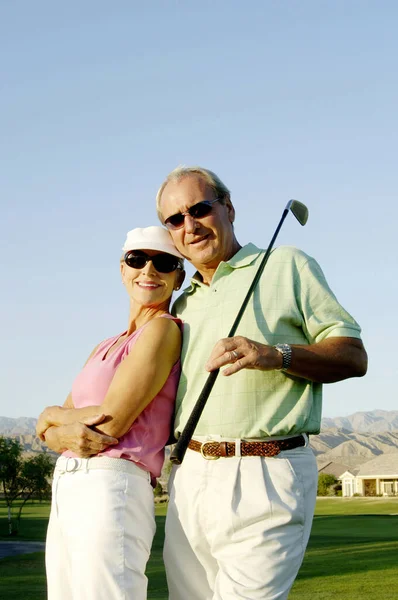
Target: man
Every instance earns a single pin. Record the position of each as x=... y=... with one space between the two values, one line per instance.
x=238 y=527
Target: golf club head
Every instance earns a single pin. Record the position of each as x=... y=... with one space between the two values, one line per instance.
x=299 y=210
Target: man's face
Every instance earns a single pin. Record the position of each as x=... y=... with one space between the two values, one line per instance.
x=207 y=241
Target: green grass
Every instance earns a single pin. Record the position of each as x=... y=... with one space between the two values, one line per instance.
x=353 y=550
x=23 y=577
x=33 y=522
x=353 y=554
x=353 y=506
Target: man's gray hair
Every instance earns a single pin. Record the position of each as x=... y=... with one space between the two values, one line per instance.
x=220 y=189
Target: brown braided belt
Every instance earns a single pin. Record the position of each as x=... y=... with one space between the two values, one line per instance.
x=213 y=450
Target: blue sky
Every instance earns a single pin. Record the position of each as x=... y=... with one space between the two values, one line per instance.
x=100 y=100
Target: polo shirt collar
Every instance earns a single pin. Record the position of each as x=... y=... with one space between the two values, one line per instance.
x=243 y=258
x=246 y=256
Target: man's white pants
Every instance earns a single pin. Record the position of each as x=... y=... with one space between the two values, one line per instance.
x=237 y=528
x=100 y=531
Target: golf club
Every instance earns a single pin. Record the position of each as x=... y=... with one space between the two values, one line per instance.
x=300 y=211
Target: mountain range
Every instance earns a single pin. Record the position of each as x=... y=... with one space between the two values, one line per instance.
x=351 y=448
x=349 y=441
x=374 y=421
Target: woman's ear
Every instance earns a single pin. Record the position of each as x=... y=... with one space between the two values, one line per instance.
x=122 y=269
x=179 y=280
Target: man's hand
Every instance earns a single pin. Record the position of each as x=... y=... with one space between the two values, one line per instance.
x=332 y=359
x=242 y=353
x=79 y=438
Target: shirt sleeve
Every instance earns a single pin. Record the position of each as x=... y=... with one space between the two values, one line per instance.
x=322 y=313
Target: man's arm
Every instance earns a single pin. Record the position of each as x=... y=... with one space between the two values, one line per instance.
x=333 y=359
x=336 y=356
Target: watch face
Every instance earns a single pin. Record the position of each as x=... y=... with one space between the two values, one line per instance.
x=282 y=347
x=286 y=352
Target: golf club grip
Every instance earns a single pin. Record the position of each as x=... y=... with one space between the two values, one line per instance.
x=179 y=450
x=178 y=453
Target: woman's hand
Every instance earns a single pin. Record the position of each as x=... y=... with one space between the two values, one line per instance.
x=45 y=420
x=79 y=438
x=65 y=415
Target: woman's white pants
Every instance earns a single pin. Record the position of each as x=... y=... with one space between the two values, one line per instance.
x=100 y=530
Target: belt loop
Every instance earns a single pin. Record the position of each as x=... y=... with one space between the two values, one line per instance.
x=237 y=447
x=58 y=467
x=55 y=491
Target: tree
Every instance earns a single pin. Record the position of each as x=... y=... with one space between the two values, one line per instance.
x=10 y=464
x=158 y=490
x=168 y=465
x=325 y=484
x=22 y=478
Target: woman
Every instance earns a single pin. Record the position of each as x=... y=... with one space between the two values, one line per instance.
x=102 y=516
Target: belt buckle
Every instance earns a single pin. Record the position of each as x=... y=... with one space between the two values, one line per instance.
x=208 y=456
x=74 y=465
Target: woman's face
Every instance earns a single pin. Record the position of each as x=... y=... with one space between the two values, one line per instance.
x=149 y=287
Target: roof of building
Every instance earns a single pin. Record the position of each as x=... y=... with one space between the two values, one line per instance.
x=333 y=468
x=350 y=471
x=385 y=465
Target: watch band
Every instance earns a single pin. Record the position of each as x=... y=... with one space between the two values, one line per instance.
x=286 y=352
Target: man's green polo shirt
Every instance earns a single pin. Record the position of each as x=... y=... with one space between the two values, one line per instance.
x=293 y=304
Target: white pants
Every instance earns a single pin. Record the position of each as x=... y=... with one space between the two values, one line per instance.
x=238 y=527
x=100 y=530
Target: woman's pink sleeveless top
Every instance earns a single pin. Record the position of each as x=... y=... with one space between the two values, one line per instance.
x=145 y=440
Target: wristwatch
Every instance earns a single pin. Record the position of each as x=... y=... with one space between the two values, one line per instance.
x=286 y=352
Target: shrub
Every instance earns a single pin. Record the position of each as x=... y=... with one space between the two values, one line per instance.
x=158 y=490
x=325 y=483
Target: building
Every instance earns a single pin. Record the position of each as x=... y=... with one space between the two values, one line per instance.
x=378 y=476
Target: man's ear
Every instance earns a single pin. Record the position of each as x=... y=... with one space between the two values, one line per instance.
x=180 y=279
x=230 y=210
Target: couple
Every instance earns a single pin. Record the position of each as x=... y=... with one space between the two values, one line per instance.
x=236 y=527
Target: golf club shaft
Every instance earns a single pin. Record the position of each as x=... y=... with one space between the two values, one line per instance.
x=181 y=446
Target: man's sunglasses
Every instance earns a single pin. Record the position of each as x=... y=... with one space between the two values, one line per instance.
x=163 y=263
x=197 y=211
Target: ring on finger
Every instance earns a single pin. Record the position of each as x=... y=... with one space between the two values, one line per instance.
x=235 y=354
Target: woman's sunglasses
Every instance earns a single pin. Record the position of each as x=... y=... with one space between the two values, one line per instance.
x=197 y=211
x=163 y=263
